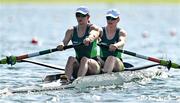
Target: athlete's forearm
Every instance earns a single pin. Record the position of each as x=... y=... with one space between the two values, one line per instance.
x=119 y=44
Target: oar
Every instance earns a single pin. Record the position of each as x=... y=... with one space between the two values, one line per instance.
x=140 y=68
x=48 y=78
x=169 y=64
x=13 y=59
x=44 y=64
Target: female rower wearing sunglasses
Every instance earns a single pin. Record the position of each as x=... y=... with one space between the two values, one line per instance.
x=86 y=55
x=115 y=38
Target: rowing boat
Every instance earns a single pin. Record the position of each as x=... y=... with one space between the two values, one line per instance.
x=118 y=78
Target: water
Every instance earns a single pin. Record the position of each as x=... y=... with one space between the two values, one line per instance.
x=20 y=23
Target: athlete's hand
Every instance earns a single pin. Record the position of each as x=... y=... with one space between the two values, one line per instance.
x=112 y=47
x=87 y=41
x=60 y=47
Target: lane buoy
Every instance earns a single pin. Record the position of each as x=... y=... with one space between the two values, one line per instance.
x=173 y=32
x=145 y=34
x=34 y=40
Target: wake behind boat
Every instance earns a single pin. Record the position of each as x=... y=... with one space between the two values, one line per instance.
x=118 y=78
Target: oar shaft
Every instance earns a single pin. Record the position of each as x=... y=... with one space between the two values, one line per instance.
x=43 y=64
x=13 y=59
x=140 y=56
x=140 y=68
x=160 y=61
x=44 y=52
x=36 y=54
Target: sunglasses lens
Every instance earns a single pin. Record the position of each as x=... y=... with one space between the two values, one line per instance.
x=80 y=15
x=110 y=18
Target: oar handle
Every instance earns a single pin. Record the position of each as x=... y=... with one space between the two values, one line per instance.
x=160 y=61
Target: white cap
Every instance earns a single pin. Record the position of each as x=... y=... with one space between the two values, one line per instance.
x=112 y=13
x=83 y=10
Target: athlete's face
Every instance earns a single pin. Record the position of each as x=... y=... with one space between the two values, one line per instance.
x=112 y=21
x=81 y=18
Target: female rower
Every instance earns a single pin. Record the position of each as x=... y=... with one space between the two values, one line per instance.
x=84 y=63
x=115 y=38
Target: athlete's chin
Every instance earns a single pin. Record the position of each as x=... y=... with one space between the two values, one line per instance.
x=110 y=24
x=81 y=23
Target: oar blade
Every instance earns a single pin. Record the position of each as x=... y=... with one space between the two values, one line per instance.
x=169 y=64
x=8 y=60
x=3 y=61
x=176 y=66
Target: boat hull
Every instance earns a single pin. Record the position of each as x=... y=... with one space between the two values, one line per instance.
x=118 y=78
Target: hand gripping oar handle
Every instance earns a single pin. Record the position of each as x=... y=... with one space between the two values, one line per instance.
x=13 y=59
x=169 y=64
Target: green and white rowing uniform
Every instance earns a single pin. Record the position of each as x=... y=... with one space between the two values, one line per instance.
x=104 y=53
x=84 y=51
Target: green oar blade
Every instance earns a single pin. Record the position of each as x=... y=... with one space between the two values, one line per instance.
x=170 y=64
x=3 y=61
x=8 y=60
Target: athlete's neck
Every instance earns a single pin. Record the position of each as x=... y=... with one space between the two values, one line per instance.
x=82 y=27
x=111 y=28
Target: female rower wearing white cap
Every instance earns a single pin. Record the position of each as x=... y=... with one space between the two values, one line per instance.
x=114 y=37
x=85 y=61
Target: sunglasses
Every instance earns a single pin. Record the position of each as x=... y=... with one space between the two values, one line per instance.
x=110 y=18
x=80 y=15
